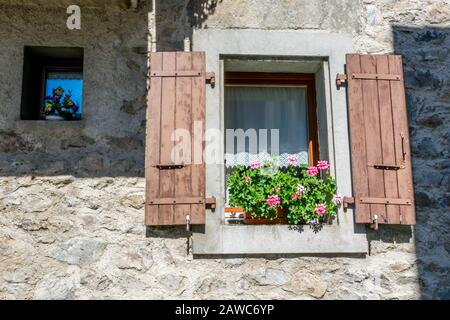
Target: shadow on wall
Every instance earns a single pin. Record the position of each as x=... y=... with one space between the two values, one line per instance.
x=80 y=156
x=426 y=58
x=176 y=20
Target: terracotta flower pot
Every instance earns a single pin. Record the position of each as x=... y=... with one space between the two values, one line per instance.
x=249 y=219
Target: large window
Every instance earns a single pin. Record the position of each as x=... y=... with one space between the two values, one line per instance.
x=269 y=115
x=294 y=52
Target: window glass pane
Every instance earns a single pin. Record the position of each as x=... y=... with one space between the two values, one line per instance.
x=256 y=108
x=63 y=95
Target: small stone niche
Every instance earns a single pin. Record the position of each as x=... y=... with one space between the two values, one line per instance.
x=52 y=87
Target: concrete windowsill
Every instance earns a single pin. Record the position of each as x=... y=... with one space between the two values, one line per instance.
x=31 y=124
x=281 y=239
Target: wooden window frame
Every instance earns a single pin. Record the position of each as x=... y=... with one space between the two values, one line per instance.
x=269 y=79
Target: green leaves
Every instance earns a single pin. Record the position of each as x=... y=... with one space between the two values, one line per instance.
x=250 y=188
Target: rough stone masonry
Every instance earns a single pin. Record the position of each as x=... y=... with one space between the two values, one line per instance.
x=72 y=194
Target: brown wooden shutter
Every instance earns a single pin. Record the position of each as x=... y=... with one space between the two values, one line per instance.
x=176 y=101
x=380 y=148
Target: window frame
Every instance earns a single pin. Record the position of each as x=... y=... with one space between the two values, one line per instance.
x=218 y=238
x=273 y=79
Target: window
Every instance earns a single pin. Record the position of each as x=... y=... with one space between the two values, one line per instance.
x=268 y=115
x=52 y=84
x=272 y=51
x=276 y=110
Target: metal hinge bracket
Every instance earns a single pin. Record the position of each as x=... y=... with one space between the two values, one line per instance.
x=210 y=76
x=211 y=79
x=172 y=73
x=392 y=201
x=340 y=78
x=211 y=202
x=348 y=201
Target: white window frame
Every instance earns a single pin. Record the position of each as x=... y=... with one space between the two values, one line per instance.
x=343 y=236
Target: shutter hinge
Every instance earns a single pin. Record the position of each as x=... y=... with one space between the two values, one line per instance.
x=348 y=201
x=211 y=79
x=173 y=73
x=367 y=200
x=211 y=203
x=340 y=78
x=391 y=201
x=175 y=201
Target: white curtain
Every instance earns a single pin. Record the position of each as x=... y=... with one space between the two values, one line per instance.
x=282 y=108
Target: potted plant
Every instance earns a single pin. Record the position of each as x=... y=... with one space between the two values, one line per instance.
x=296 y=194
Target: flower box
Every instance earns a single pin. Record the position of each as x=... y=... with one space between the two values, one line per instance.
x=280 y=218
x=296 y=194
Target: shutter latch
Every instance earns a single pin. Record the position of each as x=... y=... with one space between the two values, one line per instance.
x=169 y=166
x=387 y=166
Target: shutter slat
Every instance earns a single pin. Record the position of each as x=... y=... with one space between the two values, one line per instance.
x=387 y=139
x=379 y=132
x=373 y=134
x=167 y=177
x=153 y=141
x=183 y=121
x=176 y=100
x=358 y=139
x=400 y=118
x=198 y=127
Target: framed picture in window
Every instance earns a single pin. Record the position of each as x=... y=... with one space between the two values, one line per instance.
x=62 y=96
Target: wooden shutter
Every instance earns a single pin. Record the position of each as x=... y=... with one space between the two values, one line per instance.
x=176 y=101
x=380 y=148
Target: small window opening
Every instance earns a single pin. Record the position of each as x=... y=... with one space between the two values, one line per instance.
x=52 y=86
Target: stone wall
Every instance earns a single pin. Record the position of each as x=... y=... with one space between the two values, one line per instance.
x=72 y=194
